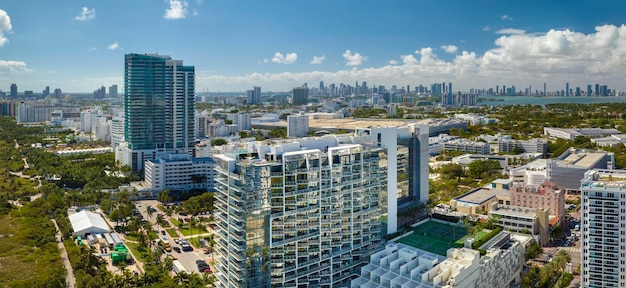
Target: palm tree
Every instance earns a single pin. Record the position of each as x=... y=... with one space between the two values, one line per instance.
x=149 y=211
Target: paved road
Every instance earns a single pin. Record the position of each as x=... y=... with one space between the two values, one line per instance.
x=69 y=278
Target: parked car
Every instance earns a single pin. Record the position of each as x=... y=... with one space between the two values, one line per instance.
x=177 y=249
x=163 y=232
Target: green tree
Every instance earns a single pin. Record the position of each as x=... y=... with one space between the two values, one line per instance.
x=451 y=171
x=534 y=250
x=483 y=168
x=218 y=142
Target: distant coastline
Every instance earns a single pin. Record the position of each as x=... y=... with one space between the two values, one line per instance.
x=534 y=100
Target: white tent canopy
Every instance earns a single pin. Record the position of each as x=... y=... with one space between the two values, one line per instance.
x=86 y=222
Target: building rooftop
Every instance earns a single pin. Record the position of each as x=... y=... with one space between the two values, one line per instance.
x=481 y=195
x=515 y=211
x=584 y=159
x=604 y=179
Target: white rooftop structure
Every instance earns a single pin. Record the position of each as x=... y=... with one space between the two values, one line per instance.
x=85 y=222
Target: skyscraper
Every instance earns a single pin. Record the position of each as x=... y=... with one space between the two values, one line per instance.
x=300 y=96
x=113 y=91
x=297 y=214
x=13 y=93
x=567 y=89
x=602 y=228
x=253 y=96
x=158 y=108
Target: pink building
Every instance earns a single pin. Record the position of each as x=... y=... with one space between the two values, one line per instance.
x=546 y=195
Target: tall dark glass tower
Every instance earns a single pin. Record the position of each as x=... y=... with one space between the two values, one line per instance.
x=158 y=107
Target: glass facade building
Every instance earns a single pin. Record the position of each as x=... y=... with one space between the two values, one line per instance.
x=158 y=106
x=303 y=214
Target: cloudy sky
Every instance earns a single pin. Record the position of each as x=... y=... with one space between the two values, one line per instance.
x=278 y=44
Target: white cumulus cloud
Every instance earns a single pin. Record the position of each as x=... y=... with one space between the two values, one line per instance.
x=13 y=66
x=318 y=59
x=355 y=59
x=114 y=46
x=286 y=59
x=5 y=26
x=86 y=14
x=510 y=31
x=449 y=48
x=506 y=17
x=409 y=60
x=556 y=57
x=393 y=62
x=177 y=9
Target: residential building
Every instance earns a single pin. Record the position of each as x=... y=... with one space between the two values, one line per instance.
x=534 y=221
x=253 y=96
x=242 y=120
x=13 y=91
x=610 y=141
x=534 y=145
x=571 y=133
x=547 y=195
x=402 y=266
x=407 y=168
x=159 y=99
x=603 y=232
x=117 y=131
x=297 y=125
x=179 y=173
x=297 y=213
x=300 y=96
x=467 y=146
x=113 y=91
x=565 y=171
x=201 y=121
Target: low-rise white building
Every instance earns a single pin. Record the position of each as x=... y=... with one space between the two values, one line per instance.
x=523 y=220
x=571 y=133
x=467 y=146
x=179 y=172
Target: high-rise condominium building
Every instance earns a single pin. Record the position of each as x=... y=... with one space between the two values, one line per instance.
x=603 y=229
x=254 y=96
x=406 y=169
x=113 y=91
x=298 y=125
x=158 y=108
x=13 y=91
x=297 y=214
x=300 y=96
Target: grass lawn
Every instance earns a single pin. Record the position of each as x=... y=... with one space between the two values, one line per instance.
x=172 y=232
x=133 y=247
x=174 y=221
x=188 y=231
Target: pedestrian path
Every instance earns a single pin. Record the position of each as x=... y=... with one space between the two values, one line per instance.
x=570 y=249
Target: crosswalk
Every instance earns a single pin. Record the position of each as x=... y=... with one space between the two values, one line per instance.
x=570 y=249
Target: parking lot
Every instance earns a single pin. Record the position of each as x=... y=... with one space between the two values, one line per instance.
x=188 y=257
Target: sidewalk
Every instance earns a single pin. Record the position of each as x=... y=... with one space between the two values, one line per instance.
x=70 y=279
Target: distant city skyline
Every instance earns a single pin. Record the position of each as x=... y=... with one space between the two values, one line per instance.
x=236 y=45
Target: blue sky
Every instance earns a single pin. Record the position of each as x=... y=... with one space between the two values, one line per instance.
x=80 y=45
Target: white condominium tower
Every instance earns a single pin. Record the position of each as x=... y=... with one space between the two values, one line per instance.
x=603 y=261
x=297 y=213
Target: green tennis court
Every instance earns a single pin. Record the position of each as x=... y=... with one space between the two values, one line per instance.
x=435 y=237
